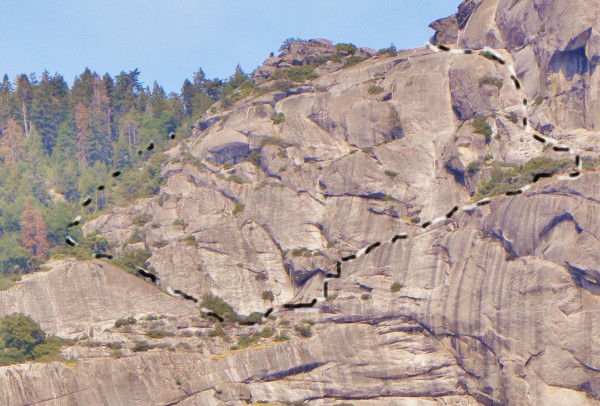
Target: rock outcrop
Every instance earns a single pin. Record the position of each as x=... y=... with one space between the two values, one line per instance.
x=495 y=305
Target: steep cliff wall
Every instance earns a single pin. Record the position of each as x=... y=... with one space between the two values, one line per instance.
x=495 y=305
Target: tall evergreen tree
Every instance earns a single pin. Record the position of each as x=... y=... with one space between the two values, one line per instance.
x=84 y=133
x=83 y=88
x=33 y=232
x=49 y=108
x=12 y=141
x=126 y=92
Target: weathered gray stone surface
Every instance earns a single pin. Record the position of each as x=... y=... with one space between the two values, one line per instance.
x=498 y=305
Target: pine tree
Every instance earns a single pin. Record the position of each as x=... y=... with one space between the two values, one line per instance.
x=12 y=141
x=84 y=133
x=126 y=92
x=49 y=108
x=6 y=101
x=83 y=88
x=33 y=232
x=187 y=95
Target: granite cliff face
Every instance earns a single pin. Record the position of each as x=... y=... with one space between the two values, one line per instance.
x=497 y=305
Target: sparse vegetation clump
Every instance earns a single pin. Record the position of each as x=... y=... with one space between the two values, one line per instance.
x=281 y=336
x=505 y=178
x=267 y=295
x=141 y=219
x=246 y=341
x=190 y=240
x=220 y=307
x=346 y=48
x=303 y=329
x=266 y=332
x=138 y=235
x=126 y=321
x=236 y=179
x=375 y=90
x=179 y=223
x=272 y=140
x=390 y=51
x=255 y=317
x=396 y=286
x=301 y=252
x=278 y=118
x=239 y=207
x=161 y=243
x=131 y=259
x=473 y=167
x=481 y=126
x=140 y=345
x=353 y=60
x=492 y=81
x=297 y=74
x=254 y=158
x=158 y=333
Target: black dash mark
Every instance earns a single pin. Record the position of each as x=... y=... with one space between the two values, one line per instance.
x=577 y=160
x=172 y=136
x=268 y=312
x=325 y=288
x=349 y=258
x=100 y=255
x=483 y=203
x=443 y=48
x=524 y=121
x=116 y=174
x=146 y=274
x=215 y=315
x=399 y=237
x=516 y=81
x=539 y=176
x=468 y=51
x=73 y=224
x=338 y=267
x=150 y=147
x=538 y=138
x=372 y=247
x=186 y=296
x=101 y=187
x=426 y=224
x=247 y=323
x=451 y=213
x=300 y=305
x=70 y=241
x=575 y=174
x=524 y=102
x=87 y=201
x=561 y=149
x=514 y=193
x=491 y=56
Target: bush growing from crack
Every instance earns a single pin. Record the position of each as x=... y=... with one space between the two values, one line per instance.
x=481 y=126
x=396 y=286
x=220 y=307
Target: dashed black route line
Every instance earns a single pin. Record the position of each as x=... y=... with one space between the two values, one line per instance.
x=487 y=53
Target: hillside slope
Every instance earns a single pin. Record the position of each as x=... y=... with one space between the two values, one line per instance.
x=496 y=305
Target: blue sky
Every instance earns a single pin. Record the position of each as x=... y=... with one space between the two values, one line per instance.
x=169 y=40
